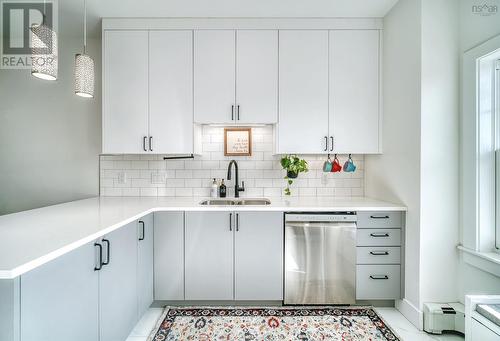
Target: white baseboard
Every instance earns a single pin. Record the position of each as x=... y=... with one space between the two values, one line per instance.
x=412 y=313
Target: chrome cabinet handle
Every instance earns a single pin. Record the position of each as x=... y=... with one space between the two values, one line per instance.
x=230 y=221
x=326 y=143
x=238 y=115
x=151 y=143
x=232 y=112
x=97 y=268
x=379 y=235
x=379 y=253
x=379 y=217
x=331 y=147
x=379 y=277
x=108 y=246
x=144 y=143
x=237 y=222
x=142 y=230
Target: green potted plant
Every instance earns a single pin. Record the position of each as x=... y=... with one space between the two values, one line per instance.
x=293 y=166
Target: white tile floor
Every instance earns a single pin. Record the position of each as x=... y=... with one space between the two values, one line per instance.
x=396 y=321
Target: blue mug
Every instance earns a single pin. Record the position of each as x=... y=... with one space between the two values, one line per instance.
x=349 y=165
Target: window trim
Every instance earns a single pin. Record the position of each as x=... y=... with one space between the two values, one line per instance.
x=496 y=87
x=478 y=207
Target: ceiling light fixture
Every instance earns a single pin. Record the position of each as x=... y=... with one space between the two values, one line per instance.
x=84 y=65
x=44 y=62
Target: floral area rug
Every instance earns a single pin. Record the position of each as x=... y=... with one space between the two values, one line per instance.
x=271 y=324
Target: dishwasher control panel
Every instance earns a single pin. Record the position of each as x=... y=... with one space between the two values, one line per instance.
x=321 y=217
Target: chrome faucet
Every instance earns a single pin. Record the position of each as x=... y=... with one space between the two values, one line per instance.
x=237 y=188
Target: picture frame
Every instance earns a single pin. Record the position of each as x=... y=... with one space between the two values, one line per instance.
x=237 y=141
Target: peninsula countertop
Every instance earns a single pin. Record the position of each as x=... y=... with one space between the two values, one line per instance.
x=31 y=238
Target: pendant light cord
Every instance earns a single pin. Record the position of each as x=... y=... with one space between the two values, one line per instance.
x=84 y=26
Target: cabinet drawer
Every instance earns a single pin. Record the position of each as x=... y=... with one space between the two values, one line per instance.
x=378 y=255
x=370 y=220
x=378 y=237
x=378 y=282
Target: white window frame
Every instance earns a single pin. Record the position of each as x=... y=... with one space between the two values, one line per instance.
x=480 y=211
x=496 y=105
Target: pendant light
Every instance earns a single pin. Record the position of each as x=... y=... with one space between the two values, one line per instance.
x=84 y=65
x=44 y=63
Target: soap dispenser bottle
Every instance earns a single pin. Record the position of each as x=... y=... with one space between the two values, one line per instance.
x=214 y=191
x=222 y=189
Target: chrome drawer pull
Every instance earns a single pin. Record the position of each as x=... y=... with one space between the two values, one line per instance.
x=379 y=277
x=379 y=217
x=379 y=253
x=379 y=235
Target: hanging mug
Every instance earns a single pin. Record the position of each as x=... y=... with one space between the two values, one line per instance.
x=349 y=165
x=327 y=165
x=336 y=167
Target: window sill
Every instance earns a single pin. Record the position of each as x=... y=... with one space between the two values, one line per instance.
x=486 y=261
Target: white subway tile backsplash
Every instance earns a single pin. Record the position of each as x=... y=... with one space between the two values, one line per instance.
x=261 y=172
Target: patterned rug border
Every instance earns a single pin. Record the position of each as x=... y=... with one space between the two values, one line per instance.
x=166 y=309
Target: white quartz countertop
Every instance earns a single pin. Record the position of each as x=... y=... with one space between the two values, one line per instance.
x=31 y=238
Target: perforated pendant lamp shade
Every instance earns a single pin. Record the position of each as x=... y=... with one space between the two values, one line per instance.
x=44 y=52
x=84 y=75
x=84 y=66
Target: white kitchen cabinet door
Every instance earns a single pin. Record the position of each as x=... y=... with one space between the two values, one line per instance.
x=145 y=242
x=59 y=300
x=125 y=95
x=118 y=284
x=214 y=76
x=303 y=92
x=258 y=258
x=209 y=256
x=257 y=76
x=171 y=92
x=355 y=91
x=169 y=256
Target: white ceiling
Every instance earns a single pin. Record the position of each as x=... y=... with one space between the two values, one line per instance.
x=70 y=10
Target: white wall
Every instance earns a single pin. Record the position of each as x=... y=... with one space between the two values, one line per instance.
x=395 y=175
x=439 y=151
x=474 y=30
x=49 y=138
x=419 y=166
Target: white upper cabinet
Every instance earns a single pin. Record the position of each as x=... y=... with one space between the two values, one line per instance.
x=148 y=92
x=303 y=92
x=354 y=91
x=125 y=97
x=214 y=76
x=171 y=91
x=236 y=76
x=256 y=76
x=329 y=92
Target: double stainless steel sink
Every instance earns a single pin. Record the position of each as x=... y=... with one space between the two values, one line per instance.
x=236 y=202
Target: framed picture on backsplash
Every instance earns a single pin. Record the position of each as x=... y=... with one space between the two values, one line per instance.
x=238 y=141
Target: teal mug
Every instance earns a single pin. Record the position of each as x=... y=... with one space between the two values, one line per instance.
x=349 y=165
x=327 y=165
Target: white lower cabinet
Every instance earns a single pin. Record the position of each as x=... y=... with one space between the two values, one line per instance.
x=59 y=300
x=169 y=256
x=258 y=256
x=378 y=255
x=94 y=293
x=380 y=282
x=118 y=284
x=145 y=255
x=209 y=256
x=234 y=256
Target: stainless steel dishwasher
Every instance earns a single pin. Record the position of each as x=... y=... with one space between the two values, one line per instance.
x=320 y=258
